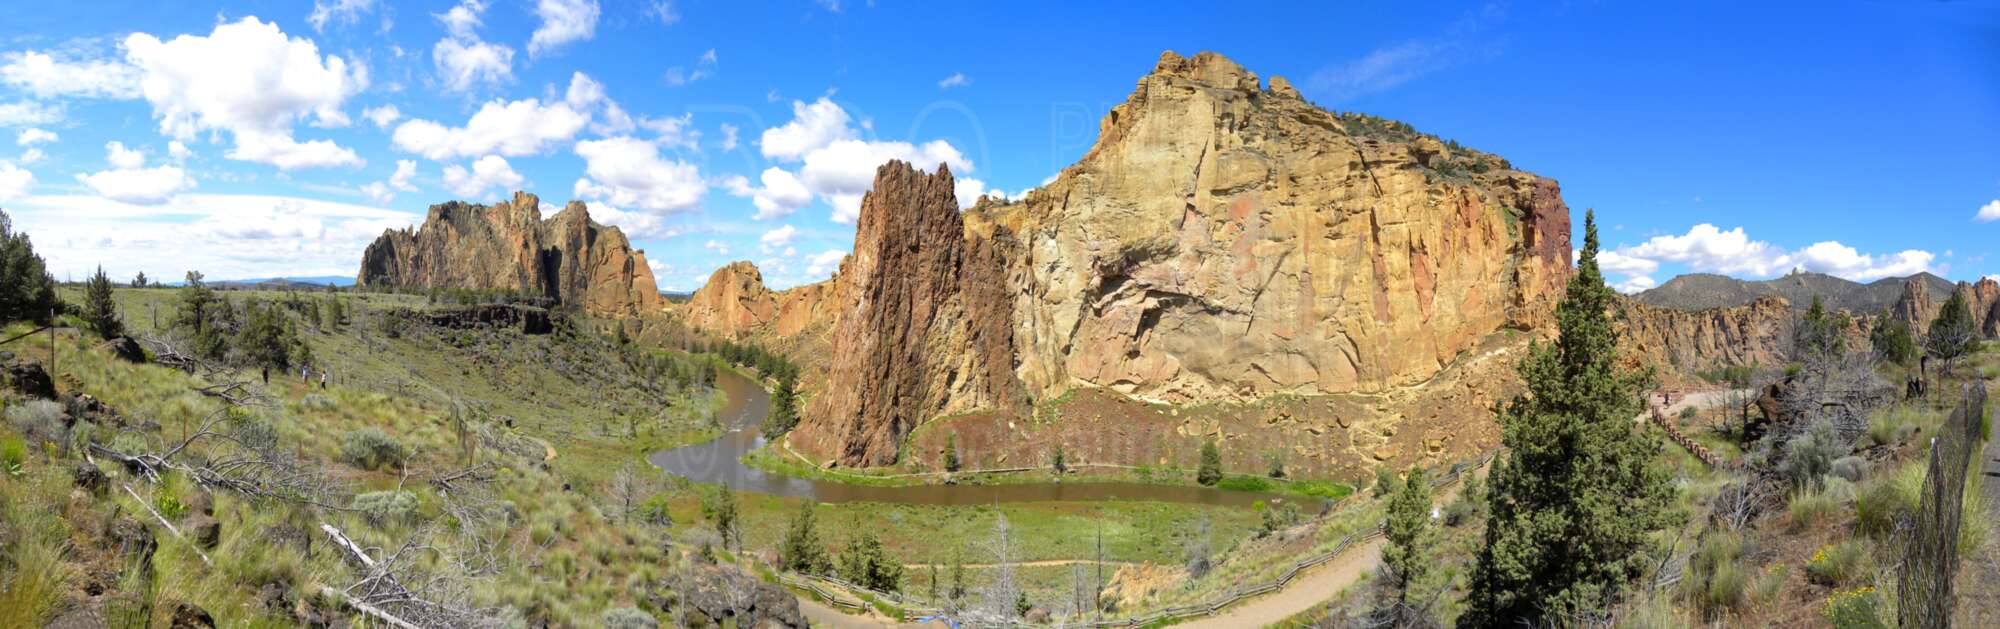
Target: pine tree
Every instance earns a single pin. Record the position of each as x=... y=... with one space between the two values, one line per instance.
x=1819 y=337
x=99 y=311
x=139 y=281
x=784 y=413
x=1210 y=471
x=801 y=550
x=1573 y=497
x=951 y=462
x=1952 y=333
x=27 y=291
x=1408 y=554
x=1892 y=341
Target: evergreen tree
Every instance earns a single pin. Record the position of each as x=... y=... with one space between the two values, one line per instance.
x=99 y=311
x=784 y=415
x=27 y=291
x=720 y=508
x=266 y=338
x=1408 y=554
x=801 y=551
x=1892 y=341
x=951 y=453
x=1952 y=333
x=1819 y=337
x=865 y=563
x=201 y=317
x=1057 y=460
x=139 y=281
x=1210 y=471
x=1573 y=497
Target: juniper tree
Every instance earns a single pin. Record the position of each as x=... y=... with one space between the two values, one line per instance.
x=99 y=311
x=1951 y=334
x=1572 y=497
x=1892 y=341
x=801 y=550
x=1408 y=554
x=1210 y=471
x=27 y=290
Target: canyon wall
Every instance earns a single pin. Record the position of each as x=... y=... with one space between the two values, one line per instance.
x=567 y=258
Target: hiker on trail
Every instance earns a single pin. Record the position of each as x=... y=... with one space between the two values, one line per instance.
x=322 y=380
x=267 y=375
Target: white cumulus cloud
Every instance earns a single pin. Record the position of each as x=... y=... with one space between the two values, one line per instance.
x=825 y=263
x=1989 y=212
x=629 y=172
x=780 y=194
x=248 y=78
x=957 y=79
x=382 y=116
x=14 y=181
x=511 y=128
x=32 y=136
x=1708 y=249
x=563 y=21
x=839 y=167
x=45 y=76
x=487 y=173
x=813 y=126
x=406 y=170
x=463 y=60
x=777 y=239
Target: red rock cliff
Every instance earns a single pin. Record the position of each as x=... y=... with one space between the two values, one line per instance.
x=567 y=258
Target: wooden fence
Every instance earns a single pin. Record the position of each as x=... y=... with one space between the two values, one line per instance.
x=1673 y=432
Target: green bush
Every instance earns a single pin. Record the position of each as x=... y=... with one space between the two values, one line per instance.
x=170 y=506
x=1278 y=517
x=1837 y=564
x=371 y=449
x=1856 y=609
x=39 y=422
x=1385 y=482
x=1852 y=468
x=1809 y=456
x=13 y=455
x=1889 y=499
x=385 y=507
x=1244 y=483
x=627 y=618
x=657 y=511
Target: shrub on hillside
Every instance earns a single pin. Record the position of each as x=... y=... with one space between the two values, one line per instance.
x=627 y=618
x=1852 y=468
x=1809 y=456
x=1838 y=564
x=1861 y=608
x=384 y=507
x=370 y=449
x=39 y=422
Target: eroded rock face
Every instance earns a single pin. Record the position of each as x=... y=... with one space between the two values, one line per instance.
x=733 y=303
x=1669 y=339
x=1917 y=308
x=567 y=258
x=1222 y=241
x=921 y=323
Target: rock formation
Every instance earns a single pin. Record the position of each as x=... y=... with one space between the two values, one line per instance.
x=733 y=303
x=568 y=258
x=1674 y=340
x=922 y=323
x=1220 y=242
x=1918 y=307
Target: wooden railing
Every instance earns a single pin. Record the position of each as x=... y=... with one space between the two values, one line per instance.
x=1673 y=432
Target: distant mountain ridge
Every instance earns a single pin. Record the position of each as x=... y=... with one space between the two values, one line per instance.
x=1704 y=291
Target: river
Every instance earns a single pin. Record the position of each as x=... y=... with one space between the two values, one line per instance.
x=720 y=461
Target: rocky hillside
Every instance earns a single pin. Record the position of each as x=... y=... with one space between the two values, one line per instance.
x=733 y=303
x=1918 y=308
x=567 y=258
x=1223 y=241
x=1702 y=291
x=1681 y=342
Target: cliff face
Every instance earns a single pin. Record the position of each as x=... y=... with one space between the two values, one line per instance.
x=1917 y=307
x=567 y=258
x=1225 y=241
x=1674 y=340
x=1221 y=242
x=920 y=326
x=733 y=303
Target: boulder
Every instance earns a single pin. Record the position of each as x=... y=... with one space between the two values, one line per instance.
x=190 y=616
x=87 y=477
x=206 y=531
x=125 y=348
x=723 y=595
x=29 y=379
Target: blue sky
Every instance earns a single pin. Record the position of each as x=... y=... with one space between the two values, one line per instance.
x=257 y=138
